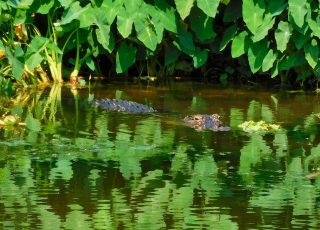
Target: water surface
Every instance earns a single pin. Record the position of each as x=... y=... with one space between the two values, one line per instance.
x=86 y=168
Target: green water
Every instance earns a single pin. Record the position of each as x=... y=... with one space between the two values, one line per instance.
x=86 y=168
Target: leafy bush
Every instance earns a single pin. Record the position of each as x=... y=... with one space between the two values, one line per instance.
x=164 y=35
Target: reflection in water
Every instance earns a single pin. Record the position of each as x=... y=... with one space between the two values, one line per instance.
x=133 y=171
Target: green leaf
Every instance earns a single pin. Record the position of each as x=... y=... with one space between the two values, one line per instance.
x=232 y=11
x=268 y=61
x=42 y=6
x=228 y=36
x=124 y=23
x=171 y=55
x=294 y=60
x=240 y=44
x=299 y=39
x=314 y=26
x=17 y=110
x=201 y=24
x=32 y=123
x=166 y=15
x=20 y=4
x=66 y=3
x=125 y=57
x=263 y=29
x=276 y=7
x=200 y=57
x=256 y=54
x=312 y=53
x=112 y=8
x=253 y=14
x=185 y=38
x=146 y=34
x=104 y=35
x=209 y=7
x=34 y=54
x=184 y=7
x=282 y=35
x=16 y=59
x=298 y=10
x=76 y=12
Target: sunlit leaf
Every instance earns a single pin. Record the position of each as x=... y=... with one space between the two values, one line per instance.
x=42 y=6
x=146 y=34
x=263 y=30
x=240 y=44
x=124 y=23
x=253 y=14
x=282 y=35
x=268 y=61
x=312 y=53
x=166 y=15
x=298 y=10
x=184 y=7
x=209 y=7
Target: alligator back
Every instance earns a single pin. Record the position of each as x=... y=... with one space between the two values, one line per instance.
x=123 y=106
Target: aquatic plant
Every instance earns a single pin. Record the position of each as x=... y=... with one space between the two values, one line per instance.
x=159 y=37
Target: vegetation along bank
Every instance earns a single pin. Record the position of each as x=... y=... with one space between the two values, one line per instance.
x=219 y=40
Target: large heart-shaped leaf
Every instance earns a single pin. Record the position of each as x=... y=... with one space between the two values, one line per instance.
x=42 y=6
x=312 y=53
x=185 y=38
x=253 y=14
x=298 y=10
x=268 y=61
x=171 y=55
x=16 y=59
x=256 y=54
x=314 y=26
x=201 y=24
x=200 y=57
x=240 y=44
x=77 y=12
x=146 y=34
x=125 y=57
x=34 y=55
x=124 y=23
x=209 y=7
x=112 y=7
x=276 y=7
x=263 y=30
x=282 y=35
x=227 y=37
x=166 y=15
x=184 y=7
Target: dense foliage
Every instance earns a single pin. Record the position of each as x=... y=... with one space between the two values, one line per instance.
x=158 y=37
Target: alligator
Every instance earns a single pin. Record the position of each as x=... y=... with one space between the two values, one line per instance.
x=199 y=122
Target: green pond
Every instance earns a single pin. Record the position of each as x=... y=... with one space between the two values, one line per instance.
x=87 y=168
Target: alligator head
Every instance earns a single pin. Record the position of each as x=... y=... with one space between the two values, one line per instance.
x=204 y=121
